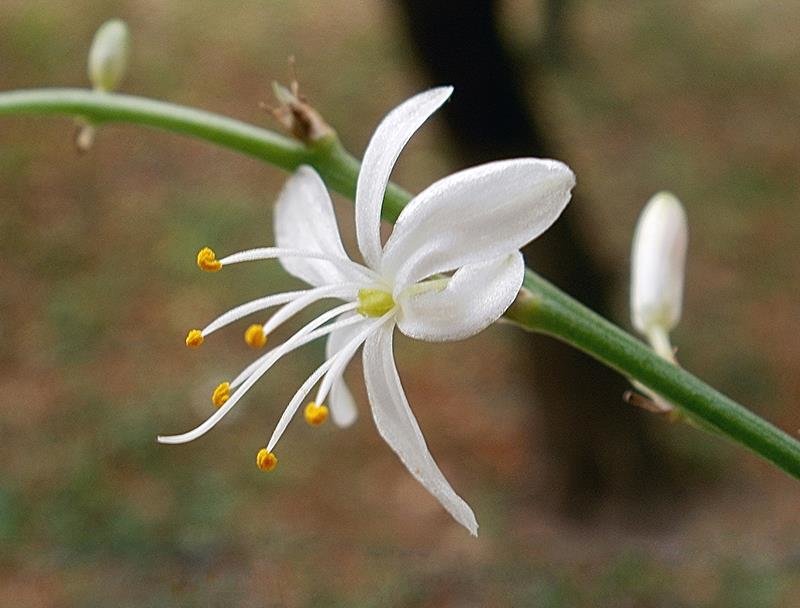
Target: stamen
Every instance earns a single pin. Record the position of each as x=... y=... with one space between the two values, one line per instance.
x=255 y=336
x=248 y=308
x=346 y=352
x=346 y=290
x=269 y=360
x=308 y=328
x=266 y=460
x=269 y=253
x=315 y=414
x=207 y=260
x=194 y=338
x=221 y=394
x=340 y=361
x=292 y=308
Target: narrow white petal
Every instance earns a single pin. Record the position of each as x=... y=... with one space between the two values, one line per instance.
x=343 y=406
x=364 y=328
x=475 y=215
x=397 y=425
x=341 y=402
x=270 y=360
x=304 y=219
x=474 y=298
x=379 y=158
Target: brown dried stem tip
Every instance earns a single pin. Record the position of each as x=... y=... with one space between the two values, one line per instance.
x=298 y=117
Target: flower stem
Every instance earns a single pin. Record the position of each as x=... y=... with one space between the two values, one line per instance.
x=540 y=307
x=543 y=307
x=336 y=166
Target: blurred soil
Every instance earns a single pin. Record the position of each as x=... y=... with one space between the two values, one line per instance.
x=98 y=286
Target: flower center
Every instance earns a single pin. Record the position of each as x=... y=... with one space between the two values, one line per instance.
x=374 y=302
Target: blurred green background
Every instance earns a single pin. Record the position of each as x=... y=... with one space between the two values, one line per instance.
x=98 y=286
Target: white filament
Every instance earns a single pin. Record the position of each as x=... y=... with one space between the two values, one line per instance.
x=338 y=361
x=249 y=308
x=347 y=290
x=269 y=253
x=306 y=329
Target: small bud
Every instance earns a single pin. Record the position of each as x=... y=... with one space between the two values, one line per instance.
x=108 y=57
x=84 y=136
x=657 y=266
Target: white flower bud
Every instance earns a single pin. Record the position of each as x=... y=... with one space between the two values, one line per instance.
x=108 y=57
x=657 y=266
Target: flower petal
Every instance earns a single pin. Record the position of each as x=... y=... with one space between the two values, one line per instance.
x=397 y=425
x=382 y=151
x=342 y=404
x=474 y=298
x=304 y=219
x=477 y=214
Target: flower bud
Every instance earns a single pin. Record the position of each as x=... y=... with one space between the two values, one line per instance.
x=108 y=57
x=657 y=265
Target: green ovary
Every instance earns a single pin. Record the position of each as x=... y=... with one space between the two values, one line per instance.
x=374 y=302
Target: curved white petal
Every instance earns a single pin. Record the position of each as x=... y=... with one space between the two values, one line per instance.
x=475 y=215
x=341 y=402
x=474 y=298
x=389 y=138
x=304 y=219
x=397 y=425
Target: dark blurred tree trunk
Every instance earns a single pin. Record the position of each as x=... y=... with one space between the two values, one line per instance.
x=598 y=447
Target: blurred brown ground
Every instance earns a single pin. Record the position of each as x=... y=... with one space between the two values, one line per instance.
x=97 y=288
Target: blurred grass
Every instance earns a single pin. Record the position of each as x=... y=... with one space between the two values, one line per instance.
x=97 y=288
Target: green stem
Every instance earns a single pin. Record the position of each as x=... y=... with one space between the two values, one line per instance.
x=543 y=307
x=540 y=306
x=337 y=167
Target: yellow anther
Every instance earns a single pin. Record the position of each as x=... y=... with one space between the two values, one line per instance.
x=194 y=338
x=315 y=414
x=265 y=460
x=255 y=336
x=221 y=394
x=207 y=260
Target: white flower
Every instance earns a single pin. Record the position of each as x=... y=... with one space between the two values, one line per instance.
x=450 y=268
x=108 y=56
x=657 y=270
